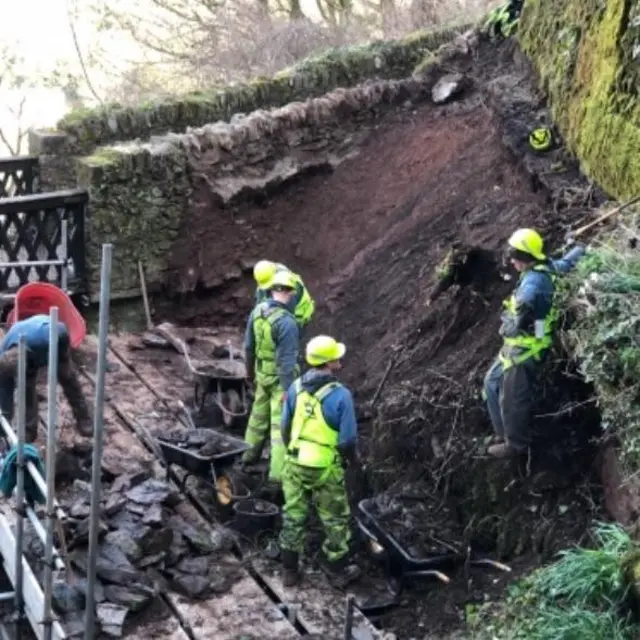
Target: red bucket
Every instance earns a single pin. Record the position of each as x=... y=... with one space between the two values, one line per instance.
x=38 y=297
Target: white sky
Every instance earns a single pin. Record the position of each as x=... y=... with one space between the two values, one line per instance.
x=39 y=30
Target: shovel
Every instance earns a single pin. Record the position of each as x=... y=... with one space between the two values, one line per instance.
x=605 y=216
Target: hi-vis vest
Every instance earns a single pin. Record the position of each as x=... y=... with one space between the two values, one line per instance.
x=306 y=306
x=520 y=348
x=313 y=442
x=265 y=347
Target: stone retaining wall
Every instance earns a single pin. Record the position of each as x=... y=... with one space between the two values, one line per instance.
x=341 y=67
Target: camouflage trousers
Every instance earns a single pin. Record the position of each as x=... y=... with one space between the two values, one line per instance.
x=68 y=379
x=325 y=489
x=264 y=420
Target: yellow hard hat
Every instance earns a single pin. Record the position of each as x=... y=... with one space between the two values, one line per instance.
x=281 y=278
x=263 y=272
x=528 y=241
x=541 y=139
x=323 y=349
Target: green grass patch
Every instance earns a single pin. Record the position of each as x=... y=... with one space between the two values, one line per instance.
x=583 y=595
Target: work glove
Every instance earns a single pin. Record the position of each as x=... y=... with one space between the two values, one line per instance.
x=569 y=242
x=348 y=456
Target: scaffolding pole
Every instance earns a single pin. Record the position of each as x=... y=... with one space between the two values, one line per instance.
x=12 y=440
x=98 y=427
x=20 y=502
x=64 y=243
x=52 y=418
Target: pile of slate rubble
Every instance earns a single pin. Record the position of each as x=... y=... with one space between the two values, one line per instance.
x=146 y=549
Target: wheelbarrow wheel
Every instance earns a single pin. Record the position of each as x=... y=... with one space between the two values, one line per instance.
x=230 y=486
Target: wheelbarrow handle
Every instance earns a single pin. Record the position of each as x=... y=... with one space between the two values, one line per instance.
x=228 y=412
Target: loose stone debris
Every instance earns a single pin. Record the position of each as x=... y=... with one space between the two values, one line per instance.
x=145 y=547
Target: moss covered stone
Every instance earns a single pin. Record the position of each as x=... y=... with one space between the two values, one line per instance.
x=138 y=202
x=339 y=67
x=587 y=53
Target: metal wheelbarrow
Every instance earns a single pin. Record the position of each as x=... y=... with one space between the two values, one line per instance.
x=224 y=379
x=215 y=466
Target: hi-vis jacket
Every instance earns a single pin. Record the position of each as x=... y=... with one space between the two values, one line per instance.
x=271 y=342
x=530 y=314
x=318 y=420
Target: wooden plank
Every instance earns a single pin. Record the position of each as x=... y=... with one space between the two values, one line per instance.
x=33 y=595
x=320 y=607
x=243 y=611
x=163 y=629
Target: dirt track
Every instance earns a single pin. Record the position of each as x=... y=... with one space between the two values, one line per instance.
x=143 y=388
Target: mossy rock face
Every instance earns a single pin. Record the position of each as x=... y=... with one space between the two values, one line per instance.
x=339 y=67
x=587 y=53
x=138 y=202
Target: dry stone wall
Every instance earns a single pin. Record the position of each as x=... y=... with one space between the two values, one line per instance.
x=341 y=67
x=140 y=164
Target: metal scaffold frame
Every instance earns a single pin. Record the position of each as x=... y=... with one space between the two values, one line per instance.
x=31 y=601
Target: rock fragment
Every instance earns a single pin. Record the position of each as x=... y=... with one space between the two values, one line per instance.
x=447 y=88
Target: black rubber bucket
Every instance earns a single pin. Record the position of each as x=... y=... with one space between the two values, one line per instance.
x=253 y=516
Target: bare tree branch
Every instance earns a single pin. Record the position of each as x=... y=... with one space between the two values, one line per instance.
x=7 y=143
x=76 y=45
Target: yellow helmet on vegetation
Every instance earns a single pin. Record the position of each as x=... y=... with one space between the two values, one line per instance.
x=323 y=349
x=281 y=278
x=528 y=241
x=263 y=273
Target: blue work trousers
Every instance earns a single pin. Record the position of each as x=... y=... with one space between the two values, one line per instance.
x=510 y=397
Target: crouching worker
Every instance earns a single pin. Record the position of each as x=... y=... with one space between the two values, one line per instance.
x=527 y=333
x=36 y=331
x=301 y=305
x=271 y=355
x=319 y=431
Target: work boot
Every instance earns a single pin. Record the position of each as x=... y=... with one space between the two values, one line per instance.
x=290 y=571
x=341 y=572
x=502 y=450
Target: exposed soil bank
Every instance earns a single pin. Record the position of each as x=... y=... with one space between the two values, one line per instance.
x=367 y=238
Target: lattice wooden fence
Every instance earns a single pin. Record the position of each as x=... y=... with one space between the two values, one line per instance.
x=19 y=176
x=30 y=231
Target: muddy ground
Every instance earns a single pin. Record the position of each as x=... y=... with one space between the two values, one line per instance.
x=367 y=239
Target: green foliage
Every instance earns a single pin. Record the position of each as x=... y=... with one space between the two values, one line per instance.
x=604 y=293
x=582 y=595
